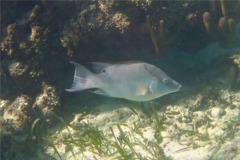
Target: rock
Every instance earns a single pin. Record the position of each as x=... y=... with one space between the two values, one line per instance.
x=19 y=72
x=199 y=118
x=17 y=69
x=235 y=104
x=3 y=106
x=47 y=102
x=215 y=113
x=225 y=96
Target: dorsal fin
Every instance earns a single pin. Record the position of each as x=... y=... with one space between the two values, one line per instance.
x=126 y=62
x=97 y=67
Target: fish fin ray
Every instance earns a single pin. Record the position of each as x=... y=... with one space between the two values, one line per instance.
x=100 y=92
x=82 y=78
x=98 y=67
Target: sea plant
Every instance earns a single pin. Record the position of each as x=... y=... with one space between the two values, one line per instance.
x=118 y=144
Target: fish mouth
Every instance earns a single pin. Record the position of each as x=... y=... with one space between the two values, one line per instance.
x=179 y=87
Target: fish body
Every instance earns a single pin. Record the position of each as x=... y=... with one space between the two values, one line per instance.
x=136 y=81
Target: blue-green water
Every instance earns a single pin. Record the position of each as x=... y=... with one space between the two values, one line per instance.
x=197 y=43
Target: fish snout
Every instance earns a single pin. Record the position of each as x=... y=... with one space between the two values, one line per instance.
x=179 y=87
x=172 y=84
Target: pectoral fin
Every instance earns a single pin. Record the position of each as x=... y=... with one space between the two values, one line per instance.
x=142 y=90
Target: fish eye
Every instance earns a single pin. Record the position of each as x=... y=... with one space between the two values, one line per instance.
x=104 y=71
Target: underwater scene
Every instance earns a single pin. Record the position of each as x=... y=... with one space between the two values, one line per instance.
x=120 y=80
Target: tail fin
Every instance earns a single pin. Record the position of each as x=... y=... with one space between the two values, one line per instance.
x=83 y=78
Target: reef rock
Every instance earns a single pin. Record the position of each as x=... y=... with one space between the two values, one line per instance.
x=17 y=116
x=46 y=102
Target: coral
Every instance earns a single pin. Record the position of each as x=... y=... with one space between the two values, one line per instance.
x=236 y=60
x=17 y=116
x=19 y=73
x=17 y=44
x=207 y=21
x=29 y=47
x=158 y=38
x=35 y=33
x=222 y=25
x=119 y=21
x=17 y=69
x=3 y=106
x=10 y=43
x=39 y=38
x=236 y=71
x=231 y=25
x=47 y=102
x=153 y=33
x=162 y=31
x=224 y=9
x=226 y=23
x=213 y=6
x=104 y=20
x=143 y=4
x=35 y=14
x=6 y=84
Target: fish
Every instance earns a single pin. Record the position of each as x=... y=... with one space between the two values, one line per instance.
x=136 y=81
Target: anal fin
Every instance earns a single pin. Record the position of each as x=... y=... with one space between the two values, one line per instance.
x=100 y=91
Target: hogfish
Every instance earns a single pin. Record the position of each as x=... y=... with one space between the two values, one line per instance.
x=137 y=81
